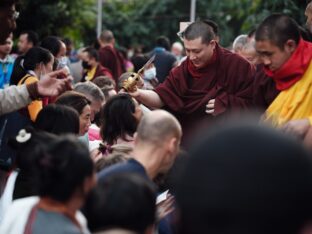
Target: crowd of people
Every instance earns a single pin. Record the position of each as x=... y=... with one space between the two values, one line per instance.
x=185 y=138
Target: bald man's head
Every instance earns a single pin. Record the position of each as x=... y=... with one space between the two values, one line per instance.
x=158 y=126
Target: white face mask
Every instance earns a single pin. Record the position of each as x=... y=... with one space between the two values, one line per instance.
x=150 y=73
x=130 y=54
x=62 y=62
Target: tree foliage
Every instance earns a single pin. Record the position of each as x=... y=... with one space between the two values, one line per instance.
x=71 y=18
x=141 y=21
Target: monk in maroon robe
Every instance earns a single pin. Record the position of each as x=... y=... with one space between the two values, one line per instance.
x=91 y=65
x=264 y=90
x=109 y=56
x=211 y=82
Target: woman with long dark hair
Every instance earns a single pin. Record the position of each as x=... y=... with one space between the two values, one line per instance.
x=120 y=117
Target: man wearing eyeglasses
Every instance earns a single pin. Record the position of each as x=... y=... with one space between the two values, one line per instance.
x=210 y=83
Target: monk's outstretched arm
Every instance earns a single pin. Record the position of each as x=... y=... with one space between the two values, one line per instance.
x=148 y=98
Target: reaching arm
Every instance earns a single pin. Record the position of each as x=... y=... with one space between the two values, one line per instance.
x=14 y=98
x=148 y=98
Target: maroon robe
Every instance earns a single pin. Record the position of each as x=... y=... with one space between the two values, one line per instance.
x=100 y=71
x=227 y=79
x=264 y=90
x=113 y=60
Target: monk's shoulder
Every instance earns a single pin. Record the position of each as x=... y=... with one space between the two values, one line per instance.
x=178 y=71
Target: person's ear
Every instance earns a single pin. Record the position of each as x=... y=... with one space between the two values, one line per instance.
x=290 y=46
x=172 y=145
x=213 y=43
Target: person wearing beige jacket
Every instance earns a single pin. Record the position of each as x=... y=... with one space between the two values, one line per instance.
x=14 y=97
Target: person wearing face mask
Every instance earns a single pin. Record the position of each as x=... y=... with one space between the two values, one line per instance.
x=58 y=49
x=149 y=74
x=91 y=65
x=62 y=62
x=150 y=79
x=35 y=64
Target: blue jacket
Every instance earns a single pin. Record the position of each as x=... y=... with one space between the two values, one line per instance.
x=6 y=68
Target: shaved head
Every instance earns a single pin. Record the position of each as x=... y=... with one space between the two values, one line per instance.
x=278 y=29
x=199 y=29
x=107 y=36
x=157 y=126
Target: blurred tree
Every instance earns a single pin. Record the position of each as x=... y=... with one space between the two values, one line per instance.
x=66 y=18
x=241 y=16
x=141 y=21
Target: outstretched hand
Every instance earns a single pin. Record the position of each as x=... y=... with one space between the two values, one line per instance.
x=133 y=94
x=50 y=85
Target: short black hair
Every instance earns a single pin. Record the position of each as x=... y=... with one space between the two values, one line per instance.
x=117 y=118
x=63 y=168
x=58 y=119
x=125 y=201
x=139 y=61
x=305 y=34
x=213 y=25
x=164 y=42
x=278 y=28
x=199 y=29
x=93 y=53
x=53 y=44
x=31 y=37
